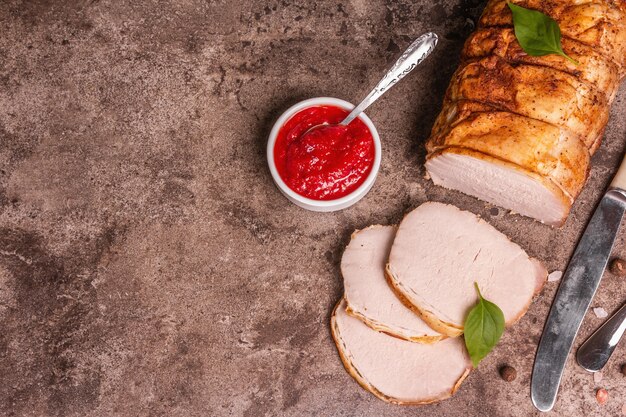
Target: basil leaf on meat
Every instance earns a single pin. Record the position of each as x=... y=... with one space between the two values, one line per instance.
x=537 y=33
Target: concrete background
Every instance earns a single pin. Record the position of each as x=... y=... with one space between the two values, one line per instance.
x=148 y=265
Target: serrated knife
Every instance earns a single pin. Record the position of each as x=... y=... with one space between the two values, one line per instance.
x=578 y=286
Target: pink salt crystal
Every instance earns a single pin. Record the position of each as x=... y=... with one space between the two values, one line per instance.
x=600 y=312
x=597 y=377
x=555 y=276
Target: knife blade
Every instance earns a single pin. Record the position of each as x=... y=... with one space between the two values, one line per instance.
x=578 y=286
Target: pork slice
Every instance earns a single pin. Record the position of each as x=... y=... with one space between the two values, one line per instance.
x=369 y=297
x=499 y=182
x=440 y=252
x=541 y=273
x=396 y=370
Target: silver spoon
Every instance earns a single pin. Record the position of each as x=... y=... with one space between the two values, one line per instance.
x=596 y=351
x=411 y=58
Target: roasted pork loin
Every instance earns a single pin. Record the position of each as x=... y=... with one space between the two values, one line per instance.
x=518 y=131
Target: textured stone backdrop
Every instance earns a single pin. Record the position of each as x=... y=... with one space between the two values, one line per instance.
x=149 y=267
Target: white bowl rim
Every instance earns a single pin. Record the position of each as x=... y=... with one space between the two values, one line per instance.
x=328 y=204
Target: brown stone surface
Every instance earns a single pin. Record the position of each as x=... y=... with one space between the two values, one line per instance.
x=148 y=265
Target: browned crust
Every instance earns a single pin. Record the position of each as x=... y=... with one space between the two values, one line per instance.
x=371 y=226
x=548 y=182
x=438 y=325
x=605 y=32
x=383 y=328
x=597 y=142
x=545 y=149
x=593 y=69
x=351 y=369
x=465 y=108
x=493 y=81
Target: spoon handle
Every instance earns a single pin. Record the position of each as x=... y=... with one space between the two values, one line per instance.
x=412 y=57
x=596 y=351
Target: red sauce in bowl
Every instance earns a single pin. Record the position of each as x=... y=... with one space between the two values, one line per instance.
x=328 y=161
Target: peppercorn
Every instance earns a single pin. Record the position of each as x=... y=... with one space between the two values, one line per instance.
x=602 y=396
x=618 y=267
x=508 y=373
x=623 y=369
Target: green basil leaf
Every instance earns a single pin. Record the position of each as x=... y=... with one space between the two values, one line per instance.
x=537 y=33
x=484 y=326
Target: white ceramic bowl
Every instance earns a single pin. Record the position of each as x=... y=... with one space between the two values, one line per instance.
x=322 y=205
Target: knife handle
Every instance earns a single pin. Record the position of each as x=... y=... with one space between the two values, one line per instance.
x=619 y=180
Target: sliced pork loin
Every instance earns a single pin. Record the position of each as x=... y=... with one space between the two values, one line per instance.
x=499 y=182
x=532 y=144
x=369 y=297
x=526 y=165
x=396 y=370
x=440 y=252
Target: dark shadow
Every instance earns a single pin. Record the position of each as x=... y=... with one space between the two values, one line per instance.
x=438 y=72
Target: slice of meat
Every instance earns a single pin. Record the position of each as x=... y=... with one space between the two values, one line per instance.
x=536 y=147
x=593 y=68
x=541 y=93
x=367 y=293
x=516 y=188
x=600 y=24
x=395 y=370
x=541 y=274
x=440 y=252
x=521 y=189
